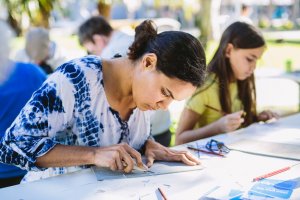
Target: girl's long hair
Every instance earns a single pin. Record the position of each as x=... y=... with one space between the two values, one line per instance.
x=242 y=36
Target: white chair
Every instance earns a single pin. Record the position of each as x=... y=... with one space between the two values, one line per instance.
x=166 y=24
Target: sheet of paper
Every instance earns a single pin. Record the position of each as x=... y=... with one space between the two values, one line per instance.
x=273 y=149
x=158 y=168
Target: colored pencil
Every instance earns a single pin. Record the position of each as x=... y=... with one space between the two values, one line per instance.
x=215 y=109
x=273 y=173
x=207 y=152
x=162 y=194
x=221 y=112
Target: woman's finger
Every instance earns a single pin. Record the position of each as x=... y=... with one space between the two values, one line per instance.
x=135 y=154
x=128 y=161
x=119 y=163
x=150 y=161
x=192 y=158
x=183 y=158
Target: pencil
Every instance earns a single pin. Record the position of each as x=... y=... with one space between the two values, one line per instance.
x=162 y=194
x=215 y=109
x=204 y=151
x=273 y=173
x=222 y=112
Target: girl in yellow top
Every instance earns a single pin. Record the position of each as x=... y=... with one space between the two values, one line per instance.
x=229 y=93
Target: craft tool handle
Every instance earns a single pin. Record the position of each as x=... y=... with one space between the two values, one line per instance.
x=208 y=152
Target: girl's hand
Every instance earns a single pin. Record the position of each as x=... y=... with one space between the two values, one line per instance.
x=230 y=122
x=156 y=151
x=118 y=157
x=267 y=115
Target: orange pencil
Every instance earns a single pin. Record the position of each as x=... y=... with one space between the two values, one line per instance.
x=273 y=173
x=222 y=112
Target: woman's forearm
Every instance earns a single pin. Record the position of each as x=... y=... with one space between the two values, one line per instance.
x=65 y=156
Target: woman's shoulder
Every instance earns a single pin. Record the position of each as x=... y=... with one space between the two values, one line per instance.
x=86 y=62
x=79 y=67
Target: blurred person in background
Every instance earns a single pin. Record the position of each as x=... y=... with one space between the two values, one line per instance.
x=246 y=11
x=40 y=50
x=98 y=37
x=17 y=83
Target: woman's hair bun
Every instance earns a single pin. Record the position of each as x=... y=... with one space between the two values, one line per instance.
x=144 y=33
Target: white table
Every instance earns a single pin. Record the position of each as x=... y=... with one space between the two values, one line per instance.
x=274 y=73
x=236 y=169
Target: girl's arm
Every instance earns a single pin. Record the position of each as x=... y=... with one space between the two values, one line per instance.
x=267 y=115
x=189 y=118
x=185 y=132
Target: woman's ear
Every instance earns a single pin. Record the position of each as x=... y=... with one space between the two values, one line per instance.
x=228 y=50
x=149 y=61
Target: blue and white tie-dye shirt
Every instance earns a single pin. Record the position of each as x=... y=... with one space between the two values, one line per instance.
x=70 y=108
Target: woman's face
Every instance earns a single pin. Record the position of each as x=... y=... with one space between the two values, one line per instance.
x=153 y=90
x=243 y=61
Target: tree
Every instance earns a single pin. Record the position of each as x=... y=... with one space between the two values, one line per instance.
x=208 y=20
x=104 y=7
x=38 y=12
x=203 y=21
x=14 y=15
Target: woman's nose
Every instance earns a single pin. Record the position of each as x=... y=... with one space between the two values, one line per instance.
x=164 y=103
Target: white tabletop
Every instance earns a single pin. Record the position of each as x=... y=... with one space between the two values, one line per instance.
x=236 y=170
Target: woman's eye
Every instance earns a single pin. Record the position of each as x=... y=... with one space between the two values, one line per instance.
x=165 y=93
x=249 y=59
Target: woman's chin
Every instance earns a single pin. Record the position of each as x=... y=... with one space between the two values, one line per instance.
x=143 y=108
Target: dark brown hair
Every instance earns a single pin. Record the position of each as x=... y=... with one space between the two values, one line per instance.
x=92 y=26
x=242 y=36
x=179 y=54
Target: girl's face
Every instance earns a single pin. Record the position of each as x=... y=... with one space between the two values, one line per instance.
x=153 y=90
x=243 y=61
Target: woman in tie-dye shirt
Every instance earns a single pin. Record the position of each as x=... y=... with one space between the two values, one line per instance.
x=94 y=112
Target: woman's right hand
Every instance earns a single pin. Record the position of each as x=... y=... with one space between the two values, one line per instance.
x=118 y=157
x=230 y=122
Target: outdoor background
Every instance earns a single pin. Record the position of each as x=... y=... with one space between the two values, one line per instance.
x=279 y=20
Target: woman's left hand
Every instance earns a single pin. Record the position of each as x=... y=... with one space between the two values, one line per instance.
x=266 y=115
x=156 y=151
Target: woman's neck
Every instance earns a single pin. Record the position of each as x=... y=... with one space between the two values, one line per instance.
x=117 y=78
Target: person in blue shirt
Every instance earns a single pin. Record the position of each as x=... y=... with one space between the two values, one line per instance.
x=18 y=81
x=96 y=112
